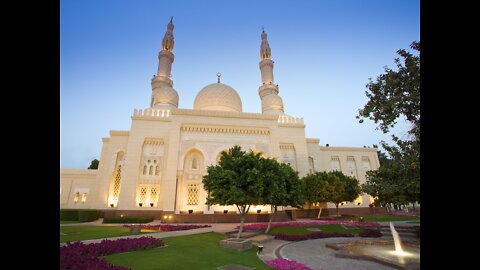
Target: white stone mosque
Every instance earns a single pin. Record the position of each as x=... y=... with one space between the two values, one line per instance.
x=158 y=164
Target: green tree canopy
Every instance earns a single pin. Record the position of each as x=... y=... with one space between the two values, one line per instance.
x=342 y=188
x=317 y=189
x=236 y=180
x=394 y=95
x=282 y=186
x=94 y=165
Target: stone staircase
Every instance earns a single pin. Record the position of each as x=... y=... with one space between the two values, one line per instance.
x=403 y=232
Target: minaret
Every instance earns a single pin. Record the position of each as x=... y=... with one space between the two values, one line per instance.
x=163 y=94
x=271 y=102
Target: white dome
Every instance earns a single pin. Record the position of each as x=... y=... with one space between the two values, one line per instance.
x=218 y=97
x=165 y=96
x=272 y=102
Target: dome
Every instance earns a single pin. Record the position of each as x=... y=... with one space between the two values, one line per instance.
x=218 y=97
x=272 y=102
x=166 y=96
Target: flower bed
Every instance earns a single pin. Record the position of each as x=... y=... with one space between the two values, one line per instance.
x=283 y=264
x=263 y=225
x=170 y=228
x=78 y=255
x=370 y=233
x=317 y=235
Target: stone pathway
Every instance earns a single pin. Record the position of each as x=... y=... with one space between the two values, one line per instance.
x=316 y=255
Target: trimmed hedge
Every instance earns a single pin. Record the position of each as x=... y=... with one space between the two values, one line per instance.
x=128 y=220
x=69 y=214
x=80 y=215
x=87 y=215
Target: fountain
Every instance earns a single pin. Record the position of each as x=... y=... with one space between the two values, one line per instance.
x=395 y=254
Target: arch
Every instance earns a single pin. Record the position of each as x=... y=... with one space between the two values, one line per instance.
x=194 y=160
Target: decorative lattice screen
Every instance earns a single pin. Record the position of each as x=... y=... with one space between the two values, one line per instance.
x=143 y=195
x=116 y=179
x=192 y=194
x=153 y=195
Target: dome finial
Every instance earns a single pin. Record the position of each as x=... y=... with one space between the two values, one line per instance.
x=171 y=19
x=218 y=77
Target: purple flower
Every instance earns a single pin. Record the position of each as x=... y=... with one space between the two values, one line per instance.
x=283 y=264
x=78 y=255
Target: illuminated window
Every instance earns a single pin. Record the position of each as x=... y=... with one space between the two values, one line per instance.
x=192 y=194
x=157 y=170
x=144 y=169
x=76 y=197
x=143 y=195
x=153 y=195
x=84 y=197
x=194 y=164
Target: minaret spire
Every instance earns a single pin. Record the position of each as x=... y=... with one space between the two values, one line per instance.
x=264 y=47
x=163 y=95
x=271 y=102
x=167 y=42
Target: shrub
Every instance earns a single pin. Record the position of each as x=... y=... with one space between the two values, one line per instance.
x=128 y=220
x=78 y=255
x=169 y=227
x=283 y=264
x=370 y=233
x=86 y=215
x=69 y=214
x=263 y=225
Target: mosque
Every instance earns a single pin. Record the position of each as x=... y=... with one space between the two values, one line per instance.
x=156 y=167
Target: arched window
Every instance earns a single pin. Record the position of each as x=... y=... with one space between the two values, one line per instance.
x=144 y=169
x=84 y=197
x=194 y=164
x=150 y=171
x=157 y=170
x=76 y=197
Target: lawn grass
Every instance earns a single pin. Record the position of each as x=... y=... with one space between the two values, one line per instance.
x=414 y=221
x=80 y=233
x=381 y=218
x=301 y=230
x=199 y=251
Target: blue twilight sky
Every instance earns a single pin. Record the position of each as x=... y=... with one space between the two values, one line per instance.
x=324 y=53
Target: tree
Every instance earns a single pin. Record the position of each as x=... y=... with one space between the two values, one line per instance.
x=236 y=180
x=317 y=189
x=282 y=186
x=94 y=165
x=393 y=95
x=392 y=184
x=342 y=188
